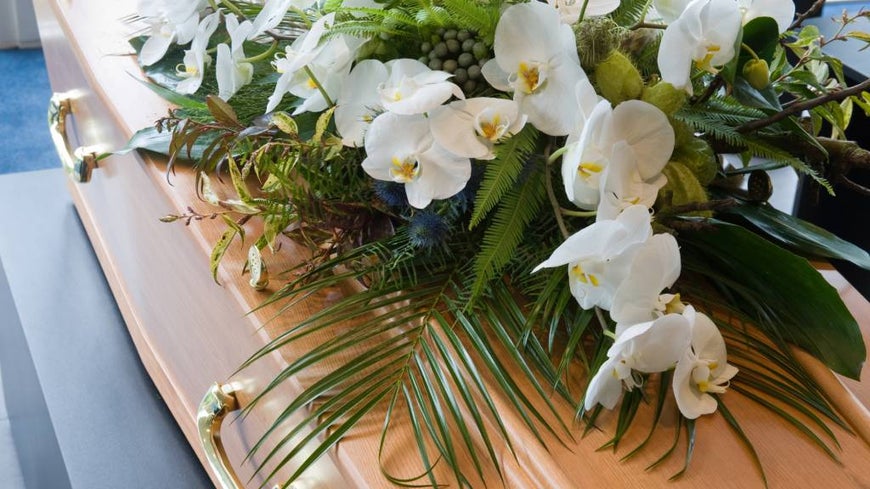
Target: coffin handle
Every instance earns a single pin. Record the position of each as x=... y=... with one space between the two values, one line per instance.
x=80 y=162
x=217 y=402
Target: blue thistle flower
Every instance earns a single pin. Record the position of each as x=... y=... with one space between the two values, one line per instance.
x=391 y=193
x=427 y=230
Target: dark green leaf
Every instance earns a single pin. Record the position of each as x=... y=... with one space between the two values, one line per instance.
x=800 y=235
x=173 y=97
x=786 y=296
x=150 y=139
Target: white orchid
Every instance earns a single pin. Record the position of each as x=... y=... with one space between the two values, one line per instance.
x=702 y=370
x=296 y=56
x=196 y=58
x=586 y=158
x=273 y=13
x=622 y=184
x=413 y=88
x=670 y=10
x=705 y=34
x=360 y=101
x=170 y=22
x=650 y=347
x=648 y=143
x=472 y=127
x=570 y=10
x=400 y=148
x=232 y=71
x=536 y=59
x=782 y=11
x=330 y=68
x=599 y=255
x=655 y=266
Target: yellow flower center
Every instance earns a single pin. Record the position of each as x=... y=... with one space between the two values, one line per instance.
x=312 y=84
x=703 y=386
x=704 y=63
x=587 y=168
x=530 y=77
x=405 y=170
x=583 y=277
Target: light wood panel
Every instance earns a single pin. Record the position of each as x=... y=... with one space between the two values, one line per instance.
x=190 y=332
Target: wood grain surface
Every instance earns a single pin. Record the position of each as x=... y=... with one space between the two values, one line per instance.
x=191 y=332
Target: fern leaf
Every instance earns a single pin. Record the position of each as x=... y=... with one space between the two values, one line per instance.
x=502 y=172
x=504 y=234
x=630 y=12
x=476 y=16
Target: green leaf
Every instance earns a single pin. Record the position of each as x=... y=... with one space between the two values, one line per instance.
x=800 y=235
x=150 y=139
x=220 y=248
x=762 y=35
x=173 y=97
x=502 y=237
x=787 y=297
x=501 y=173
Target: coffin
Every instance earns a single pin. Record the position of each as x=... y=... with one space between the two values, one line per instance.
x=190 y=332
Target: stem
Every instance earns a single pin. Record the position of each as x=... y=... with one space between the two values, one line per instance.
x=647 y=25
x=569 y=212
x=232 y=8
x=548 y=178
x=603 y=320
x=265 y=54
x=747 y=48
x=556 y=154
x=805 y=105
x=802 y=17
x=583 y=11
x=313 y=78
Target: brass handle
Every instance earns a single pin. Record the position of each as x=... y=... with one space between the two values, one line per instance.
x=218 y=401
x=79 y=163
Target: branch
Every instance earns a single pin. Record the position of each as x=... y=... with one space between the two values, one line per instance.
x=844 y=156
x=805 y=105
x=799 y=20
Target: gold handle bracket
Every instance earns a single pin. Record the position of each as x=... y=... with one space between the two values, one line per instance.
x=78 y=163
x=216 y=404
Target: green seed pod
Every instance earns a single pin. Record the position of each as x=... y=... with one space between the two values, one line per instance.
x=664 y=96
x=618 y=79
x=426 y=47
x=449 y=34
x=469 y=86
x=460 y=76
x=757 y=73
x=465 y=60
x=440 y=50
x=696 y=155
x=449 y=65
x=468 y=45
x=453 y=45
x=479 y=50
x=463 y=35
x=435 y=64
x=474 y=72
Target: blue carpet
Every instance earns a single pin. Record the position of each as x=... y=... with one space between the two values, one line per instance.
x=24 y=92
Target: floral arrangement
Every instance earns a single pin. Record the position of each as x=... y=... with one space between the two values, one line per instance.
x=544 y=179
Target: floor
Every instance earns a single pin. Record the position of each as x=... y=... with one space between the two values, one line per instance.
x=24 y=90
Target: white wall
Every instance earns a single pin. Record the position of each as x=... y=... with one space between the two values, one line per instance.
x=17 y=24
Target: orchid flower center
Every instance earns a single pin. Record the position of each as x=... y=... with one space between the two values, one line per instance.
x=584 y=277
x=587 y=169
x=703 y=377
x=702 y=62
x=529 y=77
x=185 y=71
x=405 y=170
x=491 y=126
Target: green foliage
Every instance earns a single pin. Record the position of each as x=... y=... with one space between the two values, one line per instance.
x=630 y=12
x=786 y=297
x=517 y=209
x=502 y=172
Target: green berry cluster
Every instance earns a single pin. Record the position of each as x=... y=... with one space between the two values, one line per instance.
x=459 y=52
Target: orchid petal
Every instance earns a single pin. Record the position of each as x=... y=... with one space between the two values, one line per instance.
x=605 y=388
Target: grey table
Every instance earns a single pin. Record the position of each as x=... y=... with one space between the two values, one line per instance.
x=83 y=411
